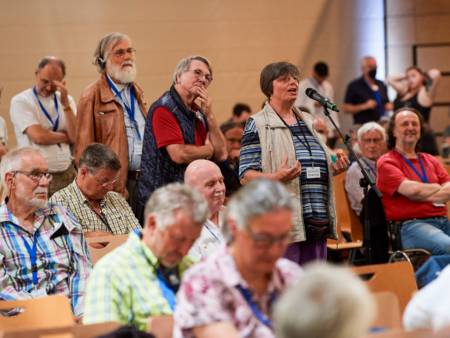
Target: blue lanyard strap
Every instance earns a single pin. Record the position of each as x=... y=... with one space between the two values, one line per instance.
x=45 y=112
x=32 y=252
x=167 y=292
x=247 y=294
x=130 y=109
x=423 y=177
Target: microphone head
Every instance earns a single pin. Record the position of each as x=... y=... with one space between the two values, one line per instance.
x=310 y=92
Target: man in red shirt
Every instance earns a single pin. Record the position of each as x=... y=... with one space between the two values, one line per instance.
x=415 y=186
x=180 y=128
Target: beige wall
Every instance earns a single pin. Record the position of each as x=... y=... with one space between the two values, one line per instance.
x=421 y=22
x=238 y=36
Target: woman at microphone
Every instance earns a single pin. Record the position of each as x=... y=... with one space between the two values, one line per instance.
x=279 y=143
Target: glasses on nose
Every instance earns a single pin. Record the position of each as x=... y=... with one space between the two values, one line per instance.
x=34 y=175
x=120 y=53
x=372 y=140
x=266 y=240
x=105 y=184
x=200 y=75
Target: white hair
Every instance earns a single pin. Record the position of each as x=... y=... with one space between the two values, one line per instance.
x=326 y=302
x=175 y=197
x=12 y=161
x=184 y=64
x=258 y=197
x=370 y=126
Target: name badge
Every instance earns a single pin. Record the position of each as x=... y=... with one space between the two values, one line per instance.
x=36 y=293
x=313 y=172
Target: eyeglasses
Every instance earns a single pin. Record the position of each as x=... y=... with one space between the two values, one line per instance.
x=120 y=53
x=107 y=183
x=266 y=240
x=376 y=140
x=199 y=74
x=35 y=175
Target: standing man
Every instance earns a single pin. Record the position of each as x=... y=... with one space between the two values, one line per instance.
x=42 y=248
x=44 y=117
x=180 y=128
x=372 y=144
x=112 y=111
x=366 y=97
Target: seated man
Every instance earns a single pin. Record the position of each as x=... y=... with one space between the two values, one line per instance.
x=231 y=293
x=42 y=248
x=205 y=176
x=415 y=186
x=372 y=144
x=137 y=282
x=349 y=305
x=90 y=197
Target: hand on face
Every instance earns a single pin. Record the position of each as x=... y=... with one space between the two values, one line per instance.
x=205 y=100
x=61 y=87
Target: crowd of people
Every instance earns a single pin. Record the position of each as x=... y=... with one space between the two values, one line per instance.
x=221 y=218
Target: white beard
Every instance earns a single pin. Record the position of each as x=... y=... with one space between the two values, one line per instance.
x=124 y=76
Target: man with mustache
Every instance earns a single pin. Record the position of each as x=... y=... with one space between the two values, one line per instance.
x=44 y=117
x=112 y=111
x=206 y=177
x=366 y=97
x=180 y=128
x=42 y=248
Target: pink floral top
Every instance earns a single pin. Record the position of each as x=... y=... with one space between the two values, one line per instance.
x=210 y=294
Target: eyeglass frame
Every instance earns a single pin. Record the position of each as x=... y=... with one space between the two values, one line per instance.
x=120 y=53
x=105 y=184
x=34 y=177
x=259 y=239
x=198 y=73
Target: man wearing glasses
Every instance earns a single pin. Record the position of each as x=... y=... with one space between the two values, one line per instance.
x=232 y=292
x=112 y=110
x=90 y=198
x=372 y=144
x=180 y=128
x=42 y=248
x=44 y=117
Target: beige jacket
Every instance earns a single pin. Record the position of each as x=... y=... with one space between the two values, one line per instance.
x=277 y=144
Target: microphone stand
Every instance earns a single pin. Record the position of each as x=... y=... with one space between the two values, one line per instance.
x=365 y=181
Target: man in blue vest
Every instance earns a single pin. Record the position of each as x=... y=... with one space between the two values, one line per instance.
x=180 y=128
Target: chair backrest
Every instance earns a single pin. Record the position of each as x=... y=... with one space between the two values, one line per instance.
x=398 y=278
x=101 y=245
x=38 y=313
x=388 y=311
x=348 y=221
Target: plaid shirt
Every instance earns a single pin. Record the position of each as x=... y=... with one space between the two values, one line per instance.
x=124 y=288
x=62 y=259
x=117 y=216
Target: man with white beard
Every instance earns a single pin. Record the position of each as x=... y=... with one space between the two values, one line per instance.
x=112 y=111
x=42 y=248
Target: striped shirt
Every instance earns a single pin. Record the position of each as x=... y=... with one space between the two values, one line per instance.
x=314 y=191
x=123 y=286
x=116 y=215
x=62 y=260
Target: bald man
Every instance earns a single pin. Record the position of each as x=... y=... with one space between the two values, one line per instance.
x=206 y=177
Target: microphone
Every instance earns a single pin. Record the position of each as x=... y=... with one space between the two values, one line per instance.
x=313 y=94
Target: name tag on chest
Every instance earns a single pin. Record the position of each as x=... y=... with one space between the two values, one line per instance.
x=313 y=172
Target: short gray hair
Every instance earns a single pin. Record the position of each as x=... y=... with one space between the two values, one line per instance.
x=184 y=64
x=257 y=198
x=326 y=302
x=52 y=60
x=104 y=46
x=174 y=197
x=97 y=156
x=370 y=126
x=12 y=161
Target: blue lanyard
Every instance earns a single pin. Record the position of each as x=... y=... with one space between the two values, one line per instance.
x=247 y=294
x=211 y=232
x=423 y=177
x=130 y=109
x=167 y=292
x=32 y=252
x=49 y=118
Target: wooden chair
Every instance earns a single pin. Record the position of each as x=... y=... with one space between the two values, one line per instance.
x=388 y=311
x=348 y=223
x=38 y=313
x=396 y=277
x=73 y=331
x=101 y=245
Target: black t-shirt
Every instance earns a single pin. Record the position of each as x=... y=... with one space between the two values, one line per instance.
x=358 y=91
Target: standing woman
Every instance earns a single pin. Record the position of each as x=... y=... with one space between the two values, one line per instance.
x=280 y=143
x=417 y=90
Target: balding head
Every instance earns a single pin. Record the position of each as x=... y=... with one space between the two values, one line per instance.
x=207 y=178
